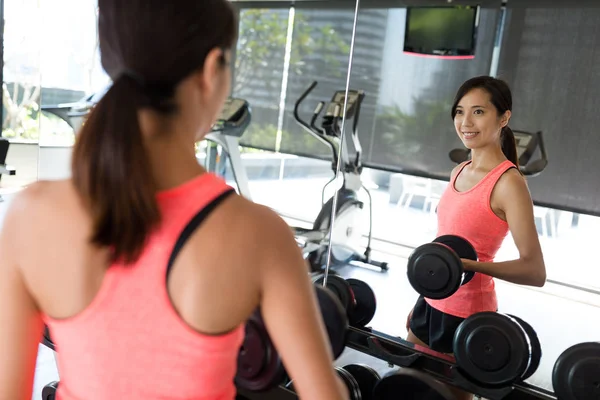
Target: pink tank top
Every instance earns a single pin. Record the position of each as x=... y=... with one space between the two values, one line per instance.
x=130 y=343
x=469 y=214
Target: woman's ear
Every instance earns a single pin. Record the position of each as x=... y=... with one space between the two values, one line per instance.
x=505 y=118
x=207 y=77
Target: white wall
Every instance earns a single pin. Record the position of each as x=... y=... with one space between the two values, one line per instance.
x=54 y=163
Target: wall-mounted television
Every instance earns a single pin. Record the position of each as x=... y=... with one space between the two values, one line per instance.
x=443 y=32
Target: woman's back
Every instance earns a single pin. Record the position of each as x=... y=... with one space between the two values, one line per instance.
x=123 y=325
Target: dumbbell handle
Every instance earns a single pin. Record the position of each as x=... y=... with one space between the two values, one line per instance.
x=380 y=352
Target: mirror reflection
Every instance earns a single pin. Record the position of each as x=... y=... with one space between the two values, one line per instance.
x=434 y=136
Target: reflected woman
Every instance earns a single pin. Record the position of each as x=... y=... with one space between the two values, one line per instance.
x=486 y=198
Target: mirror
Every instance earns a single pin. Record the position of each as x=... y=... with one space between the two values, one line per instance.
x=408 y=146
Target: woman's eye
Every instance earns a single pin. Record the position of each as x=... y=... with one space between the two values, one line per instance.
x=478 y=111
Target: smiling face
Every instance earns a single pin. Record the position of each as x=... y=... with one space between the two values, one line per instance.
x=476 y=120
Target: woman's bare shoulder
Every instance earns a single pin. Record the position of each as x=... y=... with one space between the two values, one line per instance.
x=34 y=204
x=512 y=188
x=257 y=218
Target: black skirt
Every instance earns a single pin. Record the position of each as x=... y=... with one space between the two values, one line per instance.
x=433 y=327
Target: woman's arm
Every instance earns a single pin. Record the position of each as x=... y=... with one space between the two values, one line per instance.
x=513 y=198
x=290 y=310
x=20 y=321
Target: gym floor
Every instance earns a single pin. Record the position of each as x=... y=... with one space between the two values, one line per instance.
x=560 y=319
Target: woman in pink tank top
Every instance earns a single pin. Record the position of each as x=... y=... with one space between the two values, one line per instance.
x=486 y=198
x=136 y=312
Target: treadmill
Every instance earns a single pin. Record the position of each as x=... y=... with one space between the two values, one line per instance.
x=231 y=124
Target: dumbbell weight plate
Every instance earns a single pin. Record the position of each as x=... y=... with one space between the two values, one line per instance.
x=350 y=382
x=366 y=304
x=366 y=377
x=410 y=384
x=536 y=347
x=259 y=366
x=576 y=373
x=335 y=319
x=462 y=248
x=434 y=270
x=491 y=348
x=339 y=287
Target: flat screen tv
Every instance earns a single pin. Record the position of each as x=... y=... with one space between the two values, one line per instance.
x=443 y=32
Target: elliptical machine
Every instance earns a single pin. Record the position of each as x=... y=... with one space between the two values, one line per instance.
x=348 y=209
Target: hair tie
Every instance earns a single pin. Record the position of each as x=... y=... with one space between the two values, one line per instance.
x=156 y=95
x=134 y=76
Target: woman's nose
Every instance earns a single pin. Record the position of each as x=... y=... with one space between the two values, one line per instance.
x=466 y=121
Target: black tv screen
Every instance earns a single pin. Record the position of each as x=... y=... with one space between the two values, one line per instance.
x=445 y=32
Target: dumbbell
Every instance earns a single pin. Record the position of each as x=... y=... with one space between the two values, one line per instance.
x=49 y=391
x=356 y=296
x=435 y=269
x=411 y=384
x=360 y=381
x=259 y=365
x=493 y=349
x=576 y=372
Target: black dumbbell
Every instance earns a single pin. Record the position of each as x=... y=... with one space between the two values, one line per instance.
x=435 y=269
x=359 y=379
x=49 y=391
x=350 y=383
x=356 y=297
x=493 y=349
x=259 y=365
x=535 y=345
x=365 y=377
x=576 y=372
x=335 y=319
x=411 y=384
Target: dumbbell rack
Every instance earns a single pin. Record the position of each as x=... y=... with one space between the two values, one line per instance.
x=399 y=352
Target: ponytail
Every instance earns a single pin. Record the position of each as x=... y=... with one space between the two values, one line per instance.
x=509 y=146
x=113 y=175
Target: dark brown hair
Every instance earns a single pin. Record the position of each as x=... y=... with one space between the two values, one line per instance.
x=501 y=98
x=147 y=47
